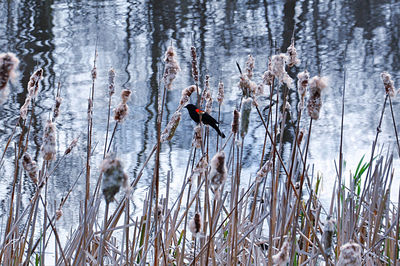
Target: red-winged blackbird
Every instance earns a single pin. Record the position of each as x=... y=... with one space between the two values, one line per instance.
x=207 y=119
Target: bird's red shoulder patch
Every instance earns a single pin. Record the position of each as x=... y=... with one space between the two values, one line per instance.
x=199 y=111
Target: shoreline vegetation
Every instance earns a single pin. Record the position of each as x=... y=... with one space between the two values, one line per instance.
x=276 y=219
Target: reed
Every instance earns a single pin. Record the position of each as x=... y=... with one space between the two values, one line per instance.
x=275 y=219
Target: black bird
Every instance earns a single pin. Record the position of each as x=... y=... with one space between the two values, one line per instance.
x=207 y=119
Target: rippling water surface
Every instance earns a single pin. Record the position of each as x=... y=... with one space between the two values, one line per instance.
x=361 y=37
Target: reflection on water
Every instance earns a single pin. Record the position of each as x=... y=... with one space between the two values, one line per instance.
x=131 y=36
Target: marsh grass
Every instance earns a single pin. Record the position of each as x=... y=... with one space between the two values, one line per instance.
x=276 y=218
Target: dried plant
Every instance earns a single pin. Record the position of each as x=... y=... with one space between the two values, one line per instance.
x=30 y=167
x=8 y=65
x=113 y=177
x=291 y=53
x=350 y=255
x=121 y=111
x=111 y=82
x=245 y=117
x=218 y=171
x=281 y=258
x=250 y=66
x=220 y=97
x=235 y=121
x=317 y=84
x=302 y=85
x=278 y=63
x=197 y=137
x=389 y=84
x=49 y=141
x=171 y=67
x=171 y=127
x=195 y=224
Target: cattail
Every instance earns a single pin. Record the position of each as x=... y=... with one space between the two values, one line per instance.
x=195 y=224
x=302 y=84
x=121 y=111
x=235 y=122
x=350 y=254
x=113 y=177
x=171 y=67
x=195 y=72
x=201 y=167
x=33 y=84
x=218 y=172
x=278 y=69
x=317 y=84
x=49 y=141
x=170 y=129
x=259 y=89
x=263 y=172
x=56 y=111
x=327 y=237
x=292 y=55
x=186 y=95
x=247 y=86
x=59 y=214
x=220 y=97
x=111 y=82
x=268 y=76
x=8 y=63
x=197 y=137
x=94 y=73
x=30 y=167
x=245 y=117
x=209 y=101
x=71 y=146
x=250 y=66
x=389 y=84
x=24 y=109
x=281 y=258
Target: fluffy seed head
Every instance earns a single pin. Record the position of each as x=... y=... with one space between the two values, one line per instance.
x=218 y=172
x=263 y=172
x=171 y=67
x=24 y=109
x=111 y=81
x=170 y=129
x=197 y=137
x=195 y=72
x=250 y=66
x=71 y=146
x=245 y=118
x=389 y=84
x=281 y=258
x=59 y=214
x=195 y=224
x=56 y=111
x=113 y=176
x=292 y=56
x=121 y=111
x=8 y=64
x=278 y=63
x=49 y=141
x=30 y=167
x=327 y=237
x=220 y=97
x=186 y=96
x=33 y=84
x=317 y=84
x=201 y=167
x=350 y=254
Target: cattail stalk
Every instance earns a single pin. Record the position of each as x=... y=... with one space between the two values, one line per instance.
x=171 y=68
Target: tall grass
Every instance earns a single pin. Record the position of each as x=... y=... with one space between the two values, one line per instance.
x=216 y=218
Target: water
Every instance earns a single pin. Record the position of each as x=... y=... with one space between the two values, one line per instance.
x=131 y=36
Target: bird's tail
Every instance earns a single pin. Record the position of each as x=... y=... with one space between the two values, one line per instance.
x=218 y=131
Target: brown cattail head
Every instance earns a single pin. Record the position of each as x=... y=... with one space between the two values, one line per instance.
x=71 y=146
x=111 y=82
x=8 y=64
x=278 y=63
x=30 y=167
x=317 y=84
x=197 y=137
x=350 y=254
x=195 y=72
x=327 y=237
x=49 y=141
x=302 y=84
x=171 y=67
x=292 y=56
x=94 y=73
x=263 y=172
x=201 y=167
x=56 y=111
x=24 y=109
x=59 y=214
x=186 y=96
x=281 y=258
x=33 y=84
x=121 y=111
x=389 y=84
x=220 y=97
x=170 y=129
x=209 y=101
x=250 y=66
x=113 y=176
x=235 y=122
x=218 y=172
x=245 y=117
x=195 y=224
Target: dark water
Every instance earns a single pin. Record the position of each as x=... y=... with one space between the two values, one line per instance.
x=361 y=37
